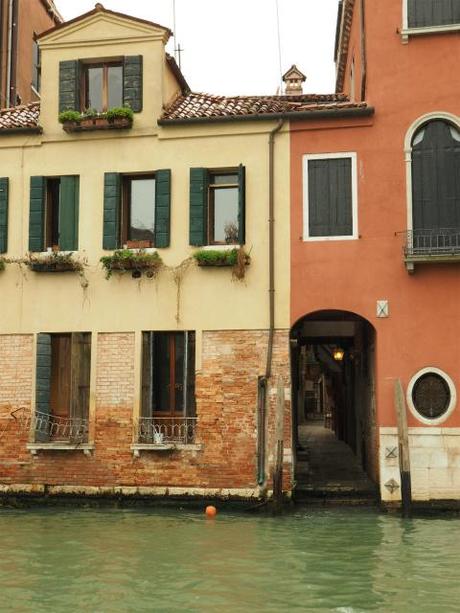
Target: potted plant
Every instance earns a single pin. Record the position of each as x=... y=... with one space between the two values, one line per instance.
x=236 y=258
x=120 y=116
x=53 y=262
x=70 y=120
x=136 y=262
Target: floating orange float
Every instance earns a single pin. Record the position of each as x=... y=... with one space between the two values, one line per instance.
x=211 y=511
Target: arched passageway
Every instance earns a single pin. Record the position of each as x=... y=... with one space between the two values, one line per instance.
x=333 y=399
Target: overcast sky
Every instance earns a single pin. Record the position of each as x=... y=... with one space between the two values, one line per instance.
x=232 y=47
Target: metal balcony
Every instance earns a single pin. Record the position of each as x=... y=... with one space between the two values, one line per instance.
x=65 y=429
x=163 y=431
x=431 y=246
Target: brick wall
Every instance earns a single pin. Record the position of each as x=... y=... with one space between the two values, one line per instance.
x=226 y=389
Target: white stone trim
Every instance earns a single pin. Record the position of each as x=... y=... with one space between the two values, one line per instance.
x=452 y=390
x=354 y=195
x=34 y=448
x=418 y=123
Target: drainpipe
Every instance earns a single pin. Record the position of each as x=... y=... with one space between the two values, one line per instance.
x=263 y=381
x=8 y=57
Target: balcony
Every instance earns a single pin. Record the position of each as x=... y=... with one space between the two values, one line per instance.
x=164 y=434
x=431 y=246
x=59 y=433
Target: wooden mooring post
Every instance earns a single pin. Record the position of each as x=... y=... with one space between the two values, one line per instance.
x=279 y=449
x=404 y=457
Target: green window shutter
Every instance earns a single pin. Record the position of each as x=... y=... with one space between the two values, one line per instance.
x=43 y=386
x=198 y=206
x=132 y=82
x=148 y=352
x=162 y=208
x=330 y=197
x=37 y=213
x=68 y=213
x=69 y=86
x=112 y=205
x=3 y=214
x=241 y=204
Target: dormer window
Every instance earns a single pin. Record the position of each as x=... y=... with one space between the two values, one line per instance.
x=102 y=86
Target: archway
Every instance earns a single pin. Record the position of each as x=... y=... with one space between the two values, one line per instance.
x=333 y=399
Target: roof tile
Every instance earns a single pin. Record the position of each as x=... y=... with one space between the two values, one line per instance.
x=25 y=116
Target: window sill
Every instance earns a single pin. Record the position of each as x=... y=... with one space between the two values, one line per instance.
x=411 y=260
x=316 y=239
x=34 y=448
x=90 y=125
x=219 y=247
x=139 y=447
x=406 y=32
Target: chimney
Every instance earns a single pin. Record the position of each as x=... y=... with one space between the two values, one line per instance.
x=293 y=79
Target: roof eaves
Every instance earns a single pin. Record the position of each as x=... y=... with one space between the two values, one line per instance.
x=185 y=88
x=343 y=43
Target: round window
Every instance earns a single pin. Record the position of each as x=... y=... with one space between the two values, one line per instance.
x=431 y=395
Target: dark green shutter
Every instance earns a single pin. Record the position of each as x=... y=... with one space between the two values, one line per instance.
x=330 y=197
x=69 y=86
x=427 y=13
x=241 y=204
x=162 y=208
x=37 y=214
x=68 y=213
x=43 y=386
x=198 y=206
x=3 y=214
x=132 y=82
x=112 y=205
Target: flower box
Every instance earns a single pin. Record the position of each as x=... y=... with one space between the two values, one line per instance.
x=53 y=262
x=98 y=123
x=124 y=260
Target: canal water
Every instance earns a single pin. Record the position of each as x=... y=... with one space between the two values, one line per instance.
x=319 y=560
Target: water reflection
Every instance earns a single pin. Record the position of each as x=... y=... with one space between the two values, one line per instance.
x=349 y=560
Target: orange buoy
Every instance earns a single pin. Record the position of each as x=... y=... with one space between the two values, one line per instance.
x=211 y=511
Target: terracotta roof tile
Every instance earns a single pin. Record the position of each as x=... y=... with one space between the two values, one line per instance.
x=20 y=117
x=201 y=106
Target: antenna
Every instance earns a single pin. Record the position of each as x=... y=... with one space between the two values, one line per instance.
x=177 y=48
x=279 y=46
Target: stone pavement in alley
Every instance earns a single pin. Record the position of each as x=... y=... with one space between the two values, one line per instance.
x=328 y=469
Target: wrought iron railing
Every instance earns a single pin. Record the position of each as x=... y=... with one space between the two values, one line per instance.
x=165 y=430
x=51 y=428
x=437 y=241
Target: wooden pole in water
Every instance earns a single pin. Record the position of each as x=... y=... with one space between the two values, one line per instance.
x=279 y=446
x=404 y=458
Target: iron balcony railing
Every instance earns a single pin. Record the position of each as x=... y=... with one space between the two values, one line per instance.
x=51 y=428
x=165 y=430
x=437 y=241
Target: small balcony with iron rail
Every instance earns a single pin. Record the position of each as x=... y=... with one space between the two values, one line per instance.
x=431 y=246
x=52 y=432
x=165 y=434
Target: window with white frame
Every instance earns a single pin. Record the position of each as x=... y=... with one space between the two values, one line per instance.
x=330 y=208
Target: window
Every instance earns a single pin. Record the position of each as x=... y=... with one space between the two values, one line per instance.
x=432 y=13
x=102 y=86
x=137 y=210
x=435 y=189
x=53 y=221
x=36 y=66
x=62 y=387
x=217 y=206
x=431 y=395
x=168 y=388
x=330 y=197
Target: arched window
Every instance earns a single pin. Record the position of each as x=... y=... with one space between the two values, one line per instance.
x=436 y=186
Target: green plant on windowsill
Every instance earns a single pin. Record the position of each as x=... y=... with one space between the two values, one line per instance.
x=119 y=113
x=52 y=262
x=69 y=117
x=237 y=258
x=91 y=119
x=136 y=262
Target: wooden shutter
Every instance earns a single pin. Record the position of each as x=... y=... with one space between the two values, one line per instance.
x=132 y=82
x=43 y=386
x=69 y=86
x=147 y=364
x=68 y=213
x=241 y=204
x=436 y=177
x=162 y=208
x=198 y=206
x=427 y=13
x=330 y=197
x=80 y=375
x=37 y=214
x=190 y=409
x=112 y=205
x=3 y=214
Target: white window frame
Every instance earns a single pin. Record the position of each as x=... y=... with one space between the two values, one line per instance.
x=452 y=390
x=406 y=31
x=354 y=195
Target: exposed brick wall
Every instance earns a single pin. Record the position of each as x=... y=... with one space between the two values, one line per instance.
x=226 y=389
x=16 y=363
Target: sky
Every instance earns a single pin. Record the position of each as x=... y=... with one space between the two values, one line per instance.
x=232 y=47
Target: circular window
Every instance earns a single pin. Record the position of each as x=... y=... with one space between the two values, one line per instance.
x=431 y=395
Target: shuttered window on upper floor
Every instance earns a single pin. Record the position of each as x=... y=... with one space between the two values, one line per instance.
x=101 y=85
x=431 y=13
x=330 y=196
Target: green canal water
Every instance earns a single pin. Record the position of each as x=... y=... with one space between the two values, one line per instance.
x=320 y=560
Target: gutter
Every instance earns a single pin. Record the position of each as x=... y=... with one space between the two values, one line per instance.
x=7 y=131
x=263 y=381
